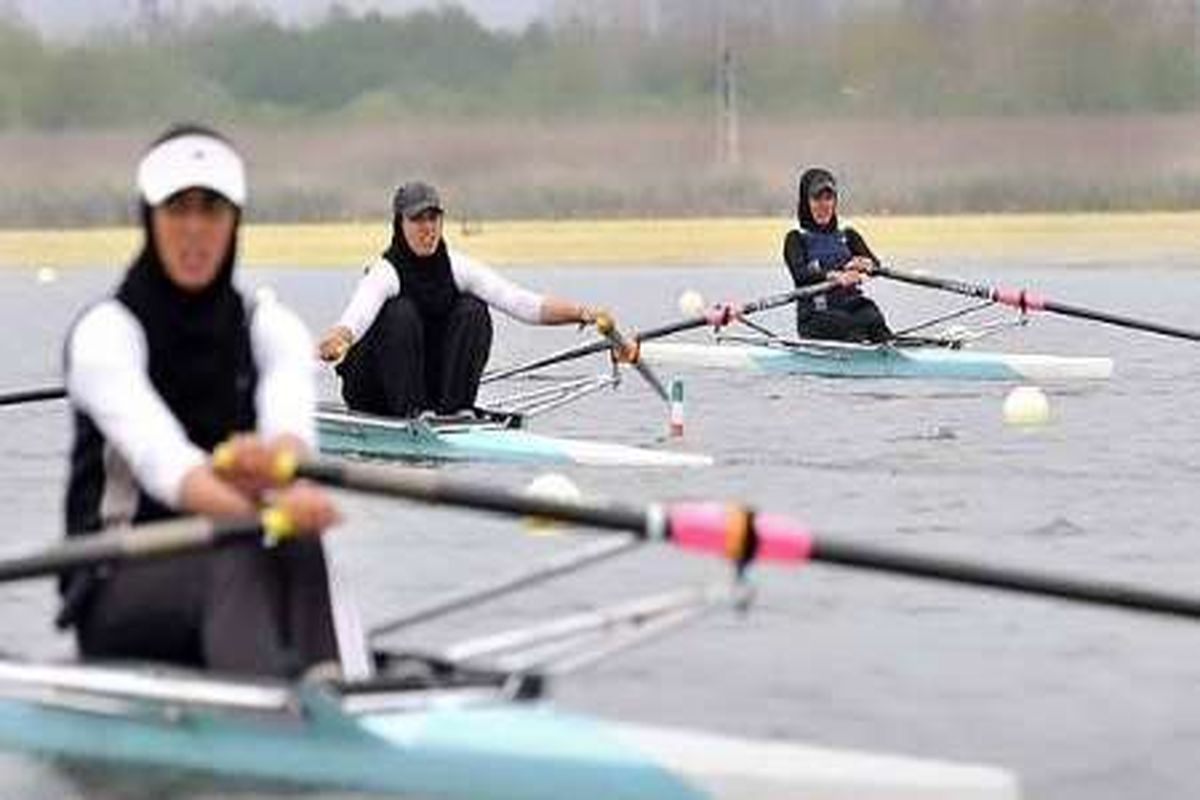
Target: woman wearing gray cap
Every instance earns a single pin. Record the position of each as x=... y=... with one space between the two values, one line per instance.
x=173 y=364
x=817 y=250
x=416 y=334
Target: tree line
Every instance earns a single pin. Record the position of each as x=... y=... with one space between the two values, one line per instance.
x=883 y=59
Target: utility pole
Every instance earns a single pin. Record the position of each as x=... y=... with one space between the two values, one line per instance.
x=728 y=134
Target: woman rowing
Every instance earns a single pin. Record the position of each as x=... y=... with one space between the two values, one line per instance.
x=172 y=365
x=417 y=332
x=818 y=250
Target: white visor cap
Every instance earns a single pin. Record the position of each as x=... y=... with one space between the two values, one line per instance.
x=192 y=161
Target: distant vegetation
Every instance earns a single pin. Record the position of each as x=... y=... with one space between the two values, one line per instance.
x=909 y=58
x=923 y=106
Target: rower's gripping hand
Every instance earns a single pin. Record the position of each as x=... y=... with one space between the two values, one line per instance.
x=303 y=507
x=256 y=467
x=254 y=464
x=335 y=344
x=625 y=349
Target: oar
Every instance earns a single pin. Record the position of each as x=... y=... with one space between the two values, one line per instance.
x=630 y=350
x=153 y=540
x=32 y=395
x=715 y=316
x=1028 y=301
x=735 y=532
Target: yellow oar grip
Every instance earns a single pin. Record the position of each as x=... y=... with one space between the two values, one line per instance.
x=223 y=457
x=277 y=524
x=605 y=324
x=284 y=465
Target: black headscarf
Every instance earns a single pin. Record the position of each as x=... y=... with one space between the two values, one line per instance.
x=200 y=358
x=804 y=210
x=427 y=280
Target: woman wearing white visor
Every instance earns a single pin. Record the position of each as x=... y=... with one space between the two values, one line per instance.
x=172 y=365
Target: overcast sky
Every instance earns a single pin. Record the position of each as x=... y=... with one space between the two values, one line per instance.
x=68 y=18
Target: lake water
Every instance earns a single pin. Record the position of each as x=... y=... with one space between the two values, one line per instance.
x=1083 y=703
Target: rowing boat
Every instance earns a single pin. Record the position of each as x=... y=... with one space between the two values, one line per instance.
x=429 y=730
x=850 y=360
x=483 y=437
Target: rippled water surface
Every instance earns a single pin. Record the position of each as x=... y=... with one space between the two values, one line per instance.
x=1083 y=703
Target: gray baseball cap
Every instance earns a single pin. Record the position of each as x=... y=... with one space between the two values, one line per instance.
x=414 y=198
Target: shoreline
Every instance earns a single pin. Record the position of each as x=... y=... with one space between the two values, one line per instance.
x=1053 y=238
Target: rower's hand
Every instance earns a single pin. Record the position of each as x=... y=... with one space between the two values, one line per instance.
x=847 y=277
x=860 y=264
x=335 y=343
x=306 y=506
x=250 y=462
x=587 y=315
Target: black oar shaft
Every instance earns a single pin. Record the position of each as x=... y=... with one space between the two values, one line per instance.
x=679 y=326
x=143 y=542
x=1120 y=321
x=32 y=395
x=428 y=486
x=863 y=555
x=1027 y=301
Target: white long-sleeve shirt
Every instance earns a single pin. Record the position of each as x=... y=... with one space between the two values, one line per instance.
x=107 y=379
x=381 y=283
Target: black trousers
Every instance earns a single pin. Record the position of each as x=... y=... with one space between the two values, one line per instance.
x=242 y=609
x=856 y=320
x=406 y=363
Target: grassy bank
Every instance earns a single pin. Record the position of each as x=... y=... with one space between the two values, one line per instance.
x=1120 y=238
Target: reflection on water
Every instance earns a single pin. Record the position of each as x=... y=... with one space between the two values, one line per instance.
x=1083 y=703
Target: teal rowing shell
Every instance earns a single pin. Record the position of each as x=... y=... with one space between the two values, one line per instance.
x=502 y=753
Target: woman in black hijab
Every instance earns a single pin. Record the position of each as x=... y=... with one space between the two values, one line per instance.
x=158 y=375
x=818 y=250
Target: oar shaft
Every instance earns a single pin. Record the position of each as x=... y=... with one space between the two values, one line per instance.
x=429 y=486
x=609 y=330
x=32 y=395
x=1120 y=321
x=679 y=326
x=143 y=542
x=862 y=555
x=1028 y=301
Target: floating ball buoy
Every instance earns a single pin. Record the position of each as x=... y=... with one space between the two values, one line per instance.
x=550 y=486
x=47 y=275
x=691 y=303
x=1026 y=406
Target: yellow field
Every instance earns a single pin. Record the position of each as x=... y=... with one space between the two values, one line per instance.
x=1030 y=237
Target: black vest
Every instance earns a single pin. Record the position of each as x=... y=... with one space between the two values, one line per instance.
x=212 y=401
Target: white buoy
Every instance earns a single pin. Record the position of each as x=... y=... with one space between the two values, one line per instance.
x=550 y=486
x=47 y=275
x=1026 y=406
x=691 y=303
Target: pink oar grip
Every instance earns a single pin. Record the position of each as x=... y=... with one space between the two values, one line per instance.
x=719 y=528
x=1019 y=298
x=781 y=538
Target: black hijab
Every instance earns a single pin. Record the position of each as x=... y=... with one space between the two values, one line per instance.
x=427 y=280
x=200 y=358
x=804 y=210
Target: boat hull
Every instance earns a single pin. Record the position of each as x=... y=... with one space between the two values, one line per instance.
x=350 y=433
x=845 y=360
x=445 y=747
